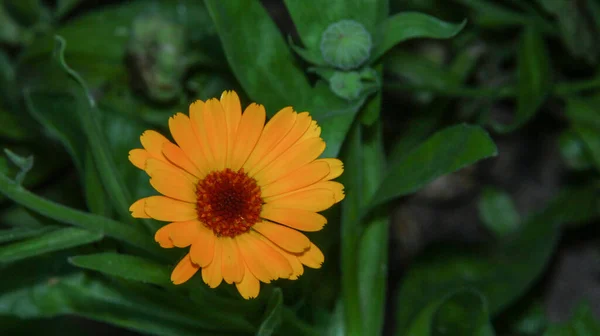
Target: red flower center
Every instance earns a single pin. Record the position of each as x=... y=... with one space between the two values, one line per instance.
x=228 y=202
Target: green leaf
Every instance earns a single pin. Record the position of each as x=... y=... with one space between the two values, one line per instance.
x=273 y=314
x=23 y=163
x=258 y=54
x=140 y=308
x=585 y=119
x=463 y=313
x=71 y=216
x=63 y=7
x=124 y=266
x=49 y=242
x=10 y=235
x=409 y=25
x=498 y=212
x=445 y=152
x=534 y=79
x=574 y=151
x=501 y=273
x=582 y=323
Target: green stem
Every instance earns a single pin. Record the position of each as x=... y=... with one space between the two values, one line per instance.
x=74 y=217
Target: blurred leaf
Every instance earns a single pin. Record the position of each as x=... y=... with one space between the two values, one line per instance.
x=23 y=163
x=444 y=152
x=585 y=119
x=534 y=76
x=501 y=273
x=532 y=321
x=420 y=70
x=48 y=242
x=258 y=55
x=125 y=266
x=491 y=15
x=63 y=7
x=273 y=314
x=26 y=12
x=10 y=235
x=582 y=323
x=409 y=25
x=67 y=215
x=138 y=308
x=498 y=212
x=463 y=313
x=574 y=151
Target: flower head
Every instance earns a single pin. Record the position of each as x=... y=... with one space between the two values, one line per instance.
x=238 y=192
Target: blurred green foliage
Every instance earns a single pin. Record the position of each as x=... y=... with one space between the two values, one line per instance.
x=408 y=96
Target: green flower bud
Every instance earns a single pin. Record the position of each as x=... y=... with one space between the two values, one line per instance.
x=157 y=52
x=346 y=44
x=352 y=85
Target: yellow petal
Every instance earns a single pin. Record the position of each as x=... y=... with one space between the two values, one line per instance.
x=233 y=264
x=275 y=130
x=153 y=142
x=313 y=257
x=184 y=270
x=302 y=177
x=298 y=129
x=216 y=131
x=162 y=237
x=138 y=157
x=176 y=156
x=137 y=209
x=199 y=130
x=249 y=130
x=335 y=187
x=153 y=165
x=233 y=114
x=286 y=238
x=336 y=168
x=203 y=248
x=298 y=219
x=174 y=184
x=249 y=287
x=167 y=209
x=297 y=156
x=314 y=131
x=297 y=268
x=211 y=274
x=183 y=234
x=312 y=200
x=250 y=251
x=181 y=129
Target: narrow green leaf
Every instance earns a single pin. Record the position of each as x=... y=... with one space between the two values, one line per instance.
x=258 y=54
x=49 y=242
x=497 y=211
x=23 y=163
x=582 y=323
x=124 y=266
x=71 y=216
x=445 y=152
x=273 y=314
x=501 y=273
x=586 y=124
x=534 y=79
x=18 y=233
x=409 y=25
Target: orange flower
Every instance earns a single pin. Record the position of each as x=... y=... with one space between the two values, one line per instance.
x=238 y=192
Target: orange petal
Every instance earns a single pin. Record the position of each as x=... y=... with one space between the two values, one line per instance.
x=314 y=131
x=181 y=129
x=233 y=114
x=153 y=142
x=183 y=234
x=137 y=209
x=249 y=287
x=297 y=156
x=216 y=131
x=184 y=270
x=162 y=237
x=233 y=264
x=167 y=209
x=211 y=274
x=335 y=187
x=203 y=249
x=199 y=130
x=313 y=257
x=297 y=268
x=174 y=184
x=312 y=200
x=336 y=168
x=288 y=239
x=302 y=177
x=176 y=156
x=153 y=165
x=250 y=250
x=298 y=219
x=275 y=130
x=249 y=130
x=298 y=129
x=138 y=157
